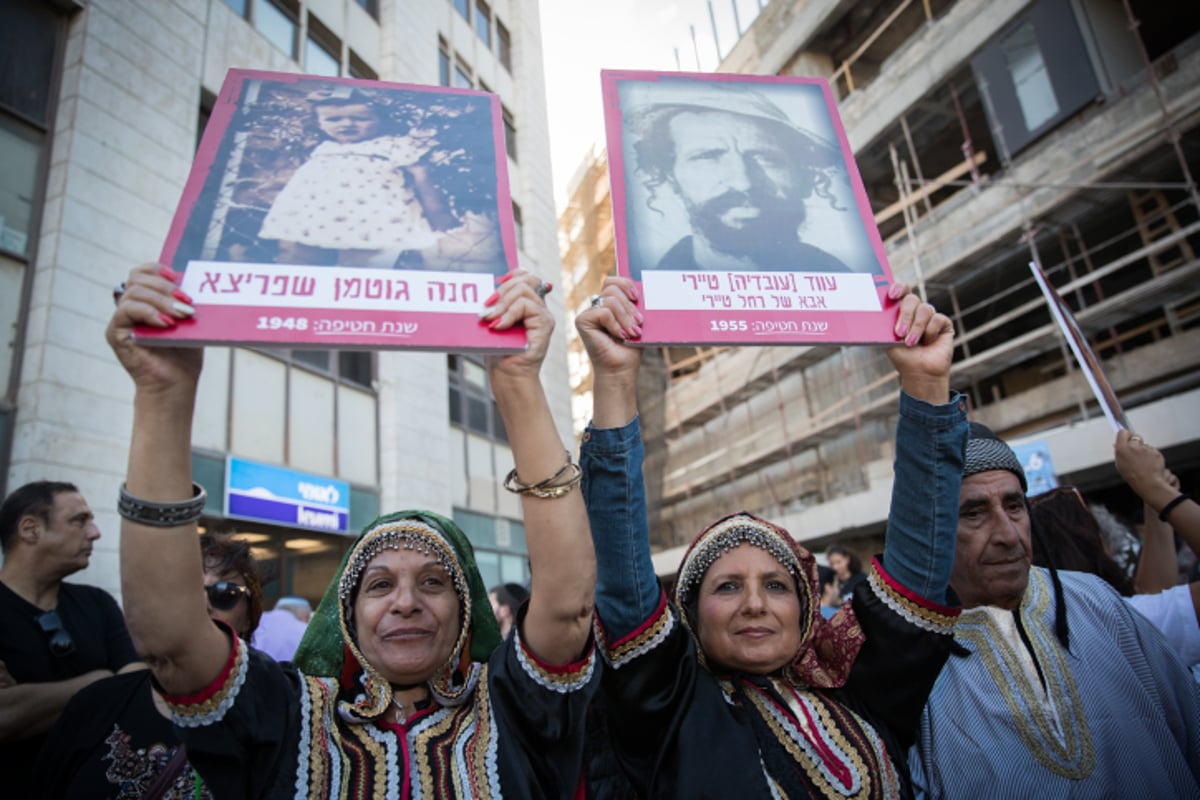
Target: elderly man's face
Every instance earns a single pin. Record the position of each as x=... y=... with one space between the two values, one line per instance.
x=993 y=552
x=741 y=188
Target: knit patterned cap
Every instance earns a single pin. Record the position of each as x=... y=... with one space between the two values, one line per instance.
x=986 y=452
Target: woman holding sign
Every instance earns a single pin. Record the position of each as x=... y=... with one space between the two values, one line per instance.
x=401 y=686
x=738 y=687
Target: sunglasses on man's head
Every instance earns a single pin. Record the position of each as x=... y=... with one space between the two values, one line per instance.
x=61 y=643
x=224 y=595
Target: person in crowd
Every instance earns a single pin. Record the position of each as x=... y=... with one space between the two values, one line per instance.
x=400 y=687
x=847 y=568
x=115 y=740
x=831 y=601
x=743 y=171
x=280 y=630
x=1174 y=608
x=1058 y=688
x=1069 y=538
x=739 y=687
x=56 y=637
x=1144 y=469
x=506 y=599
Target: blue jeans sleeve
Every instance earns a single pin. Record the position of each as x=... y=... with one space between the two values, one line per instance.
x=923 y=521
x=627 y=590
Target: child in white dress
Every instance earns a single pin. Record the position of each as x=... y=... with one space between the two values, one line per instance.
x=363 y=193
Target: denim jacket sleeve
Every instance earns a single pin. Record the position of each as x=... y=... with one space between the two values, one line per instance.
x=627 y=590
x=923 y=520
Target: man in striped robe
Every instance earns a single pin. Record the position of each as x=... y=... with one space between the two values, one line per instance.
x=1059 y=688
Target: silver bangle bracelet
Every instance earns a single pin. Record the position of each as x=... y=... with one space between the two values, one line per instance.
x=162 y=515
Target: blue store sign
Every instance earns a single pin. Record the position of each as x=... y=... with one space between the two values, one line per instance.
x=286 y=497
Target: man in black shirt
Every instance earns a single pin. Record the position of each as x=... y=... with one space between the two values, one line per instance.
x=56 y=637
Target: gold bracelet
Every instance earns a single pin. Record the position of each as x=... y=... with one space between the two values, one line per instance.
x=550 y=488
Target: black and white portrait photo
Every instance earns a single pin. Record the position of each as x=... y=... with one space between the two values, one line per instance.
x=735 y=174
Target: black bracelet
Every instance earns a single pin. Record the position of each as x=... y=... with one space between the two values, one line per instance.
x=1169 y=507
x=162 y=515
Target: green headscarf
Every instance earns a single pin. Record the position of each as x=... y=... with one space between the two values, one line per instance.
x=329 y=640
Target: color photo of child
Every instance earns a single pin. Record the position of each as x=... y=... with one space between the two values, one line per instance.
x=333 y=172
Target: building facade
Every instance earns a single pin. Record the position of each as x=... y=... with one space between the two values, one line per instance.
x=989 y=134
x=101 y=106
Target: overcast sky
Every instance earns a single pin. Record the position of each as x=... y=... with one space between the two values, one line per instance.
x=581 y=37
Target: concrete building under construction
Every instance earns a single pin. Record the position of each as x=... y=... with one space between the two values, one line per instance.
x=989 y=134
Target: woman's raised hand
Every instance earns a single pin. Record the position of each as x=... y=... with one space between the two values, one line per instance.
x=606 y=327
x=520 y=301
x=152 y=298
x=612 y=319
x=926 y=351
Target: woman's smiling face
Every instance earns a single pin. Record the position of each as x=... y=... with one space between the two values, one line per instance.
x=748 y=612
x=406 y=616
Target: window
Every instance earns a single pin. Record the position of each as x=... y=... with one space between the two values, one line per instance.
x=348 y=366
x=239 y=6
x=20 y=157
x=1035 y=94
x=207 y=101
x=463 y=7
x=483 y=23
x=503 y=45
x=277 y=25
x=471 y=404
x=518 y=226
x=510 y=133
x=370 y=6
x=500 y=550
x=1038 y=72
x=322 y=51
x=462 y=76
x=359 y=68
x=30 y=37
x=443 y=62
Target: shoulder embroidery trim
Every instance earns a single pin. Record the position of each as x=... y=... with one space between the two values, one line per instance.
x=909 y=605
x=562 y=679
x=210 y=704
x=647 y=636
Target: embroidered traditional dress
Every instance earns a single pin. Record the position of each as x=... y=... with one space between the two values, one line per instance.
x=353 y=195
x=502 y=725
x=837 y=721
x=1117 y=716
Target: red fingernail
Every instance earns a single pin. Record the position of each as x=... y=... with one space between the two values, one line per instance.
x=893 y=291
x=491 y=301
x=901 y=329
x=635 y=333
x=170 y=274
x=182 y=296
x=911 y=340
x=168 y=321
x=640 y=319
x=508 y=276
x=495 y=323
x=549 y=288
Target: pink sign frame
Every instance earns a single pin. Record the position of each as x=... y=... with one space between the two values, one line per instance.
x=428 y=298
x=835 y=294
